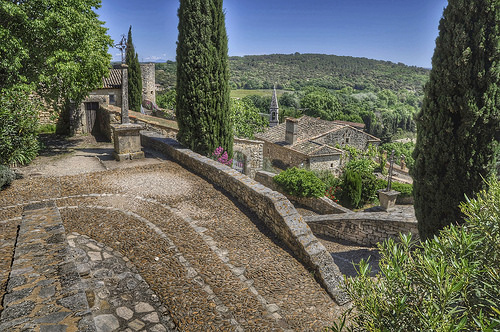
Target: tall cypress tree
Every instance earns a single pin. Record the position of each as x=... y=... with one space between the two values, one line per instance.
x=458 y=125
x=202 y=109
x=134 y=75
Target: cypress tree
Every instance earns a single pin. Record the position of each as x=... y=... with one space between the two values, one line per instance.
x=134 y=75
x=202 y=110
x=458 y=125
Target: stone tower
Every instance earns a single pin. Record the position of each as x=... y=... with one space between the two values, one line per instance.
x=274 y=110
x=148 y=82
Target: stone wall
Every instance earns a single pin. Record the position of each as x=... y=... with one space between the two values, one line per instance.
x=331 y=163
x=253 y=152
x=362 y=227
x=148 y=82
x=271 y=207
x=284 y=158
x=349 y=136
x=320 y=205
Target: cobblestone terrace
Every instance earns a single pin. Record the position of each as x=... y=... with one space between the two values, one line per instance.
x=209 y=263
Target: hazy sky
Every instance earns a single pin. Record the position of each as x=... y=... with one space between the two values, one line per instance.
x=395 y=30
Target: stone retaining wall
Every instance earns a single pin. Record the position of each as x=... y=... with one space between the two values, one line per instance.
x=320 y=205
x=271 y=207
x=362 y=227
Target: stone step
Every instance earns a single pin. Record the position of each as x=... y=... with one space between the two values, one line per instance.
x=44 y=291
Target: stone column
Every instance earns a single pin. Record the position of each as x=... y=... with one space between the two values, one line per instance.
x=125 y=118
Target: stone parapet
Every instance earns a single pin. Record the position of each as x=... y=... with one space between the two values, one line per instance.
x=274 y=209
x=362 y=227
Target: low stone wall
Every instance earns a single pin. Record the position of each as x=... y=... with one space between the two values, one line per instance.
x=271 y=207
x=320 y=205
x=362 y=227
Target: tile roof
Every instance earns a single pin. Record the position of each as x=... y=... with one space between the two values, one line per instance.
x=114 y=81
x=310 y=136
x=307 y=127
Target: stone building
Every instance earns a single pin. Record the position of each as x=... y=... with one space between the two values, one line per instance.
x=148 y=82
x=311 y=143
x=87 y=118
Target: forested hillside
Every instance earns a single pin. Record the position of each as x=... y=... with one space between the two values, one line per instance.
x=295 y=71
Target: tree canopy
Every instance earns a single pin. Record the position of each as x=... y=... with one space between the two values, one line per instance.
x=60 y=47
x=459 y=123
x=134 y=75
x=202 y=106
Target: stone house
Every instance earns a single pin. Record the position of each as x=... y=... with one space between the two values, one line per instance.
x=311 y=143
x=88 y=117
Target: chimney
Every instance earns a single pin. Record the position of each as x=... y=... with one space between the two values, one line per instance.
x=291 y=130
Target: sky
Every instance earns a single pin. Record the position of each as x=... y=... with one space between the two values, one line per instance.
x=393 y=30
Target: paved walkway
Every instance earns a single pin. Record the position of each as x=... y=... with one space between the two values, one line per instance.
x=161 y=248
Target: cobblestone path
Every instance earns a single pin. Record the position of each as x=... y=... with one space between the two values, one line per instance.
x=201 y=261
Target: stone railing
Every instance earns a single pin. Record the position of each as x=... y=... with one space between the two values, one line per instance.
x=320 y=205
x=274 y=209
x=362 y=227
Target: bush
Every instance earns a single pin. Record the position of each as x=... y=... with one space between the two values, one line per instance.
x=6 y=176
x=364 y=168
x=351 y=187
x=300 y=183
x=405 y=189
x=448 y=283
x=18 y=127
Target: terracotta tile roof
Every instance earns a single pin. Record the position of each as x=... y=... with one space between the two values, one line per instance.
x=307 y=127
x=114 y=81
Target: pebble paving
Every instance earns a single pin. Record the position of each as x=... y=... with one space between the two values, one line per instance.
x=161 y=249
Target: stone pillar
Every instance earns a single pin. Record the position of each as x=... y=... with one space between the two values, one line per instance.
x=125 y=118
x=126 y=136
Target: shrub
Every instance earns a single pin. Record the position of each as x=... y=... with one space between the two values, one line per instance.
x=18 y=127
x=6 y=176
x=221 y=156
x=351 y=186
x=364 y=168
x=300 y=183
x=448 y=283
x=405 y=189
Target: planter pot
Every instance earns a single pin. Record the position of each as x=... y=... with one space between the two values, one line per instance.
x=387 y=199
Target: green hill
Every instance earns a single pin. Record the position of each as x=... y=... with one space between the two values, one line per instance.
x=295 y=71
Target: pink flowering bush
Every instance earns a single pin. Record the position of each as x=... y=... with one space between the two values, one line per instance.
x=221 y=156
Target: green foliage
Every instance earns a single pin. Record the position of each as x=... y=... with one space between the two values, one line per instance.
x=405 y=189
x=318 y=102
x=300 y=183
x=203 y=107
x=448 y=283
x=134 y=75
x=47 y=128
x=6 y=176
x=18 y=126
x=59 y=46
x=459 y=122
x=364 y=168
x=351 y=188
x=246 y=119
x=401 y=149
x=166 y=99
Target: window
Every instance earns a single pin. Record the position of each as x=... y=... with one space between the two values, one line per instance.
x=112 y=100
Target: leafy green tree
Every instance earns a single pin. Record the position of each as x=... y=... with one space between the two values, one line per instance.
x=134 y=75
x=246 y=119
x=203 y=105
x=318 y=102
x=166 y=99
x=18 y=126
x=459 y=121
x=59 y=46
